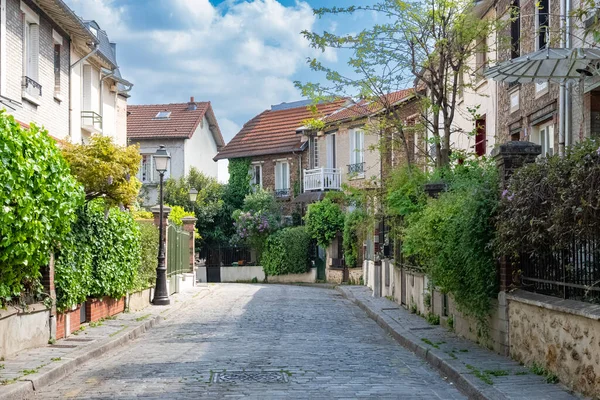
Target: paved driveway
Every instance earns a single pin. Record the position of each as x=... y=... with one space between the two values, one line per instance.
x=262 y=342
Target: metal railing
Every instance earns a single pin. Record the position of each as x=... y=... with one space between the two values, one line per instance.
x=322 y=179
x=178 y=255
x=31 y=87
x=572 y=273
x=91 y=118
x=279 y=193
x=357 y=168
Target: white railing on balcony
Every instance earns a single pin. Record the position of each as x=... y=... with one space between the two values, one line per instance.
x=322 y=179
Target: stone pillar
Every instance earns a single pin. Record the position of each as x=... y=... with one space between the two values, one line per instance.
x=189 y=223
x=156 y=212
x=509 y=157
x=48 y=283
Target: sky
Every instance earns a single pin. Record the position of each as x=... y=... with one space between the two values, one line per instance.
x=242 y=55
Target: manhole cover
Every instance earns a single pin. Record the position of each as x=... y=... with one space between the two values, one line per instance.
x=250 y=377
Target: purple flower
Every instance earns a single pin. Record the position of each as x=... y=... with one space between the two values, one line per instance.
x=504 y=193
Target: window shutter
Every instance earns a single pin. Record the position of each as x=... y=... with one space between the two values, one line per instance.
x=34 y=51
x=353 y=147
x=87 y=88
x=361 y=154
x=286 y=175
x=277 y=176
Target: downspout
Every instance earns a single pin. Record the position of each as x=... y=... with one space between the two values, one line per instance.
x=562 y=91
x=568 y=100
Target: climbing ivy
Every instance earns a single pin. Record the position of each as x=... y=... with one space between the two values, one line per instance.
x=324 y=220
x=38 y=200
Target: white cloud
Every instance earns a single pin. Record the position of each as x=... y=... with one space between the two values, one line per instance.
x=242 y=56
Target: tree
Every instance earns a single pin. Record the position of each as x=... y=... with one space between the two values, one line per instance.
x=324 y=220
x=105 y=169
x=429 y=44
x=209 y=204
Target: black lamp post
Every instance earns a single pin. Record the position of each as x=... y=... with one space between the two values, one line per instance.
x=161 y=293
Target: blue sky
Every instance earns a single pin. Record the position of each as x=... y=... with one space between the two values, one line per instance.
x=242 y=55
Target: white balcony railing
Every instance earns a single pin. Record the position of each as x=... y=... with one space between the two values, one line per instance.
x=322 y=179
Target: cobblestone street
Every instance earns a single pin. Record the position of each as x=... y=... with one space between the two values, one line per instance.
x=259 y=341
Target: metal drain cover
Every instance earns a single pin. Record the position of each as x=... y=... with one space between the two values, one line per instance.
x=250 y=377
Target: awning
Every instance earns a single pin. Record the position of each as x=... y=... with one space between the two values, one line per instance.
x=309 y=197
x=557 y=65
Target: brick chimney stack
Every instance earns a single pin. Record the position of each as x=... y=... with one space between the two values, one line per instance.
x=192 y=104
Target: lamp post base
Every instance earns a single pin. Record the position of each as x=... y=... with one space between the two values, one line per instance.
x=161 y=301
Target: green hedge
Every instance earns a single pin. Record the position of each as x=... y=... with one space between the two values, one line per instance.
x=353 y=236
x=324 y=220
x=146 y=275
x=38 y=201
x=287 y=252
x=100 y=257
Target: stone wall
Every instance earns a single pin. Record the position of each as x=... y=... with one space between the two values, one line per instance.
x=242 y=273
x=308 y=277
x=23 y=329
x=334 y=275
x=563 y=336
x=139 y=300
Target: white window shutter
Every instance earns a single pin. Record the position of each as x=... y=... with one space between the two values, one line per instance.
x=87 y=88
x=286 y=176
x=34 y=52
x=361 y=157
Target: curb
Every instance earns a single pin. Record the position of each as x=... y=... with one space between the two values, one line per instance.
x=25 y=388
x=455 y=373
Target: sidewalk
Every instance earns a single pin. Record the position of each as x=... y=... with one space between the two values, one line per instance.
x=477 y=372
x=32 y=369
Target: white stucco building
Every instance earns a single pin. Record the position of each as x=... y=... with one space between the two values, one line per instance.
x=190 y=133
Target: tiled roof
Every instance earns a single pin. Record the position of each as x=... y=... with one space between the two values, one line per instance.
x=273 y=131
x=182 y=123
x=365 y=108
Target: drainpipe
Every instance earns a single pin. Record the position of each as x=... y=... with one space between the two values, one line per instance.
x=568 y=93
x=562 y=91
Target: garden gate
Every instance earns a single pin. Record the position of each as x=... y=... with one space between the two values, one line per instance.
x=178 y=256
x=224 y=256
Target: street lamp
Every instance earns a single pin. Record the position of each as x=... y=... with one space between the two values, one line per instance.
x=193 y=194
x=161 y=294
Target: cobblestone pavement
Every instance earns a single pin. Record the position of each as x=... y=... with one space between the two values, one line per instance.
x=262 y=342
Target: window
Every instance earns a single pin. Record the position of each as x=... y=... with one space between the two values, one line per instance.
x=542 y=23
x=357 y=151
x=256 y=176
x=31 y=54
x=544 y=136
x=314 y=152
x=480 y=139
x=163 y=115
x=58 y=42
x=481 y=57
x=146 y=169
x=282 y=179
x=514 y=101
x=515 y=29
x=330 y=146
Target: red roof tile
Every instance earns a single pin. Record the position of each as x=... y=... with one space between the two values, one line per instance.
x=182 y=123
x=273 y=132
x=365 y=108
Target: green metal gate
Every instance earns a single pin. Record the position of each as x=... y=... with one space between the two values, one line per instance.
x=178 y=256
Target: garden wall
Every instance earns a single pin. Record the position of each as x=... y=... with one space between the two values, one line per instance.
x=563 y=336
x=23 y=329
x=139 y=300
x=96 y=309
x=68 y=322
x=241 y=273
x=308 y=277
x=335 y=275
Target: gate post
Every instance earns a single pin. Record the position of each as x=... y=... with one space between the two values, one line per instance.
x=509 y=157
x=189 y=223
x=156 y=212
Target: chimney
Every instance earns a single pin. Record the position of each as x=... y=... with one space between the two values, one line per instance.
x=192 y=105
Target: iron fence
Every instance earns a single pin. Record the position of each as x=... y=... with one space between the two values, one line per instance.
x=226 y=255
x=570 y=273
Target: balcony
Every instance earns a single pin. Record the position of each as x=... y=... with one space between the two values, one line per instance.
x=282 y=193
x=31 y=90
x=322 y=179
x=358 y=168
x=91 y=121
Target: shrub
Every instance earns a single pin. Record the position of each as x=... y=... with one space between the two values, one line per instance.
x=353 y=235
x=323 y=221
x=405 y=194
x=463 y=215
x=287 y=252
x=105 y=169
x=146 y=274
x=39 y=198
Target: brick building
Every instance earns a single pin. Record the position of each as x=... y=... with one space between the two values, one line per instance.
x=278 y=154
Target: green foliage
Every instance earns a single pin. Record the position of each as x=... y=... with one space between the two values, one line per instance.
x=146 y=274
x=213 y=224
x=38 y=198
x=177 y=214
x=100 y=257
x=141 y=214
x=259 y=217
x=433 y=319
x=287 y=252
x=105 y=169
x=550 y=203
x=239 y=182
x=354 y=233
x=540 y=370
x=405 y=194
x=323 y=221
x=462 y=215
